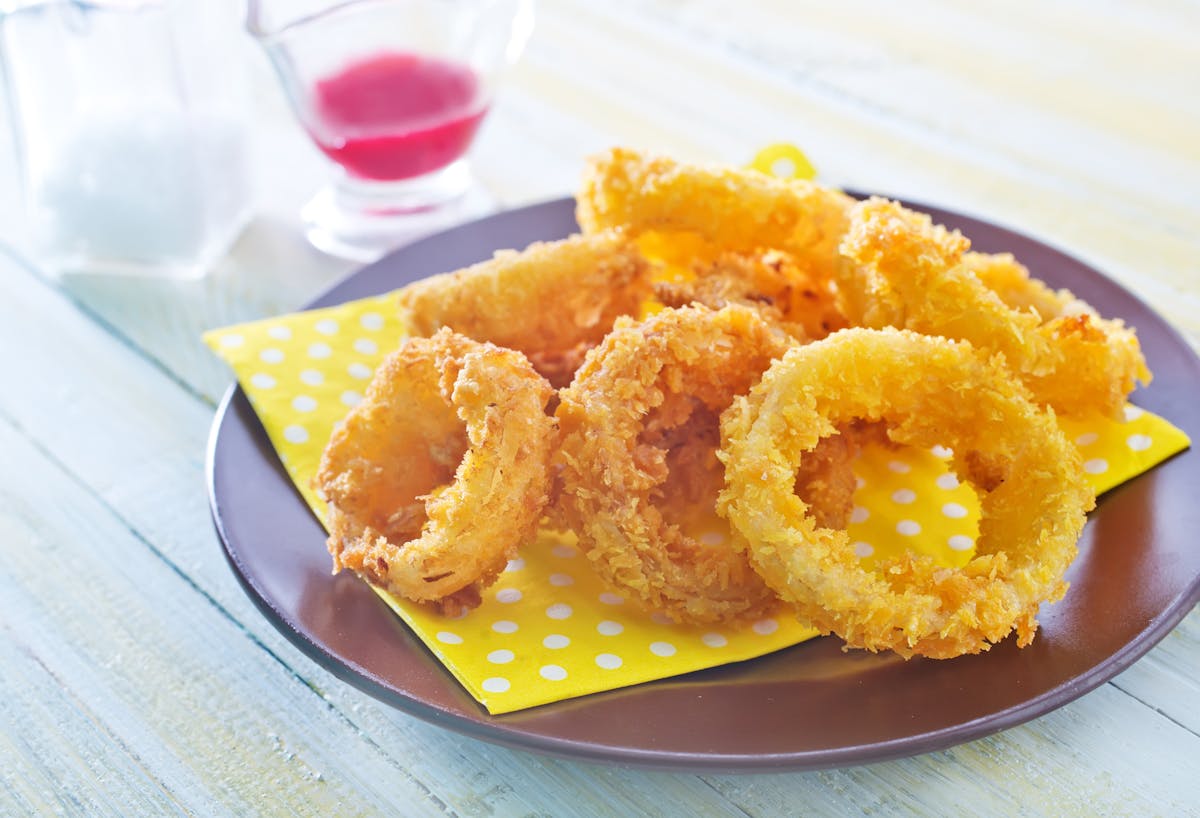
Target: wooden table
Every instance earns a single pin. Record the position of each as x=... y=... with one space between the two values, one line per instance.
x=137 y=678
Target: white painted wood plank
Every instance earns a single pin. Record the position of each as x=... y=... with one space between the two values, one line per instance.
x=55 y=752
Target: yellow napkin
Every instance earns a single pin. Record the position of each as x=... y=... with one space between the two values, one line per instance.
x=548 y=630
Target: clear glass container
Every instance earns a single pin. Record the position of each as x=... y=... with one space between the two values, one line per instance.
x=393 y=92
x=128 y=118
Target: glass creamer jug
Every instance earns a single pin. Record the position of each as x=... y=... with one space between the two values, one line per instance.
x=128 y=124
x=393 y=92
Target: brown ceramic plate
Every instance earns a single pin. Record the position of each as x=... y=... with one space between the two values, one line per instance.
x=810 y=706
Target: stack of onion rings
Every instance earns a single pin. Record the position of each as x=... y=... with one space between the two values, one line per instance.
x=458 y=451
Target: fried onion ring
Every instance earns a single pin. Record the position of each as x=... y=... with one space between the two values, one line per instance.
x=440 y=473
x=740 y=210
x=640 y=426
x=904 y=271
x=929 y=391
x=552 y=301
x=1101 y=360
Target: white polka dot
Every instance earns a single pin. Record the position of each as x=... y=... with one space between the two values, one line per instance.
x=947 y=481
x=1087 y=439
x=261 y=380
x=954 y=511
x=1096 y=466
x=1133 y=412
x=899 y=467
x=660 y=618
x=609 y=628
x=608 y=661
x=712 y=538
x=714 y=640
x=280 y=332
x=295 y=434
x=556 y=641
x=1139 y=443
x=859 y=514
x=232 y=340
x=942 y=452
x=303 y=403
x=662 y=649
x=271 y=355
x=311 y=377
x=960 y=542
x=351 y=398
x=859 y=482
x=371 y=320
x=501 y=657
x=366 y=346
x=552 y=673
x=515 y=564
x=909 y=528
x=561 y=580
x=449 y=638
x=863 y=549
x=564 y=551
x=765 y=627
x=504 y=626
x=559 y=610
x=904 y=496
x=326 y=326
x=508 y=595
x=609 y=598
x=496 y=684
x=319 y=350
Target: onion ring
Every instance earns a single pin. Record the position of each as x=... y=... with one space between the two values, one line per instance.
x=553 y=301
x=929 y=391
x=1101 y=360
x=739 y=210
x=903 y=271
x=639 y=430
x=441 y=472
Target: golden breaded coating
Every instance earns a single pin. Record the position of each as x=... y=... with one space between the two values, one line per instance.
x=440 y=473
x=928 y=390
x=909 y=273
x=740 y=210
x=552 y=301
x=1102 y=361
x=769 y=282
x=639 y=430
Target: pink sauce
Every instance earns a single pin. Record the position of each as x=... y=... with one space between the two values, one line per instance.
x=395 y=116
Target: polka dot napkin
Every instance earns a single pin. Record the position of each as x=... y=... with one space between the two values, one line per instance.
x=548 y=629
